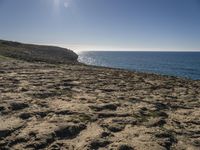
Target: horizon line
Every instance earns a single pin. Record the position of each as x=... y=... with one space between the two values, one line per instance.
x=77 y=47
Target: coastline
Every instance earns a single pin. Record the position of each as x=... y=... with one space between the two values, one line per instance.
x=139 y=72
x=76 y=106
x=180 y=64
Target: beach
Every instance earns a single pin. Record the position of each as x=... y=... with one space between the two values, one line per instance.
x=79 y=107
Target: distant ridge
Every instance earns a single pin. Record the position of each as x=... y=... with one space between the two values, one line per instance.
x=37 y=53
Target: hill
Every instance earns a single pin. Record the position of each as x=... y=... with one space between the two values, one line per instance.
x=37 y=53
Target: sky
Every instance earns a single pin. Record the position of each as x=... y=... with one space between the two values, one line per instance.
x=103 y=24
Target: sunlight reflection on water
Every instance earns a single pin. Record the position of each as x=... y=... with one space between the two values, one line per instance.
x=182 y=64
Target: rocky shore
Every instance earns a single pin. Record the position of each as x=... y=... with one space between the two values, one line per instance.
x=45 y=105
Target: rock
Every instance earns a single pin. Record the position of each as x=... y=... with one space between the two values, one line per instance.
x=124 y=147
x=105 y=134
x=115 y=127
x=167 y=138
x=162 y=114
x=55 y=147
x=42 y=113
x=69 y=130
x=112 y=114
x=165 y=135
x=2 y=108
x=63 y=112
x=4 y=132
x=153 y=122
x=41 y=143
x=25 y=115
x=97 y=143
x=22 y=89
x=108 y=90
x=161 y=106
x=127 y=120
x=3 y=144
x=100 y=107
x=61 y=146
x=44 y=94
x=134 y=100
x=18 y=105
x=143 y=111
x=196 y=142
x=16 y=141
x=2 y=71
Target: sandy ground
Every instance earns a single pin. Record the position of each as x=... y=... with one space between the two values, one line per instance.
x=77 y=107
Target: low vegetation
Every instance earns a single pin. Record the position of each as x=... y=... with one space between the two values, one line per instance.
x=36 y=53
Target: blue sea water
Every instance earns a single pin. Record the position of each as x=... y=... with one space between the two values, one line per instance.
x=181 y=64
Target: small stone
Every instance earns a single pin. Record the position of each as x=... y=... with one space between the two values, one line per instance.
x=99 y=143
x=115 y=127
x=23 y=89
x=25 y=116
x=69 y=130
x=18 y=105
x=101 y=107
x=2 y=108
x=105 y=134
x=125 y=147
x=156 y=122
x=4 y=132
x=161 y=106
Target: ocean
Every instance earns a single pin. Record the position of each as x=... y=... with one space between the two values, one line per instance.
x=180 y=64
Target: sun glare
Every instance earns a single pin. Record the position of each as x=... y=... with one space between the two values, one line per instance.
x=56 y=3
x=61 y=3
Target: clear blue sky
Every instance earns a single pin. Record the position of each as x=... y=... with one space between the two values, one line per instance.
x=103 y=24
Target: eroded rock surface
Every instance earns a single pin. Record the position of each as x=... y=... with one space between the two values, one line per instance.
x=78 y=107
